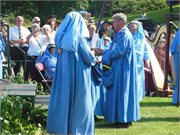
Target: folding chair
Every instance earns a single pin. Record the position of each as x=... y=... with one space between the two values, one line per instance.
x=40 y=68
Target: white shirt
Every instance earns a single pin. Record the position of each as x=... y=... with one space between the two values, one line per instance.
x=14 y=34
x=34 y=47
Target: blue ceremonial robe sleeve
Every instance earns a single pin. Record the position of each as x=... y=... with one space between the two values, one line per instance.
x=118 y=50
x=49 y=65
x=85 y=51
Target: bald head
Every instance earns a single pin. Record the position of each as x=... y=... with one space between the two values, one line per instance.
x=19 y=21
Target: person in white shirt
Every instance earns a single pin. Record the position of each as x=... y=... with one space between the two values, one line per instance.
x=17 y=37
x=48 y=31
x=37 y=20
x=37 y=44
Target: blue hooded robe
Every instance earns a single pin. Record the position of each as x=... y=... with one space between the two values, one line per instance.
x=95 y=87
x=100 y=105
x=122 y=103
x=70 y=108
x=49 y=62
x=141 y=55
x=175 y=51
x=2 y=49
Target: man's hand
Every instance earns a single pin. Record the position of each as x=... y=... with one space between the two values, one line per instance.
x=98 y=51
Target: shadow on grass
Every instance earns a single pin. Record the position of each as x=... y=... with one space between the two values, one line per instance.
x=166 y=119
x=103 y=125
x=100 y=123
x=156 y=104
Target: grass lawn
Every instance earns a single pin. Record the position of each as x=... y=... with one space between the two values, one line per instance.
x=158 y=117
x=157 y=16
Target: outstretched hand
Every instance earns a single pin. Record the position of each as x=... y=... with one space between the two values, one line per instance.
x=98 y=51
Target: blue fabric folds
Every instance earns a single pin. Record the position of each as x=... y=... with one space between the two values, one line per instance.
x=49 y=62
x=122 y=102
x=97 y=73
x=142 y=54
x=70 y=110
x=68 y=31
x=107 y=79
x=175 y=51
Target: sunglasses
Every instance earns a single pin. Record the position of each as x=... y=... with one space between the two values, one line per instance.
x=37 y=21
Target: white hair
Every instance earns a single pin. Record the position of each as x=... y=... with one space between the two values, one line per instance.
x=36 y=18
x=48 y=27
x=35 y=26
x=120 y=16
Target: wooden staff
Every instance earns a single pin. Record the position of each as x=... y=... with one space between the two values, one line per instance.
x=100 y=15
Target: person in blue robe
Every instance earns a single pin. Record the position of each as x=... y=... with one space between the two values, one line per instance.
x=175 y=51
x=70 y=108
x=119 y=77
x=100 y=105
x=49 y=61
x=2 y=49
x=96 y=81
x=142 y=54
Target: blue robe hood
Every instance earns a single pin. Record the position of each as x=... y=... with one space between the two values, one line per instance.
x=68 y=30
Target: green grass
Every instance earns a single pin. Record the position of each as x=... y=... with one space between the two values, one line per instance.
x=157 y=16
x=158 y=117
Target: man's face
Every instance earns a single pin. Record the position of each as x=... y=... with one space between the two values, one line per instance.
x=19 y=21
x=116 y=25
x=38 y=21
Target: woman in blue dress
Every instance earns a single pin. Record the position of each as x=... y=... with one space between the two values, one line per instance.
x=142 y=54
x=175 y=50
x=70 y=109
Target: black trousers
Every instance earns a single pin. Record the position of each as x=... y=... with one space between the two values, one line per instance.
x=18 y=55
x=32 y=70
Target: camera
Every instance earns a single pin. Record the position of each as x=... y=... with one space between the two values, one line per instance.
x=2 y=22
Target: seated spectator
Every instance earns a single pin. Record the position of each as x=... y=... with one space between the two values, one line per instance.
x=46 y=30
x=53 y=17
x=19 y=46
x=49 y=61
x=36 y=20
x=37 y=45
